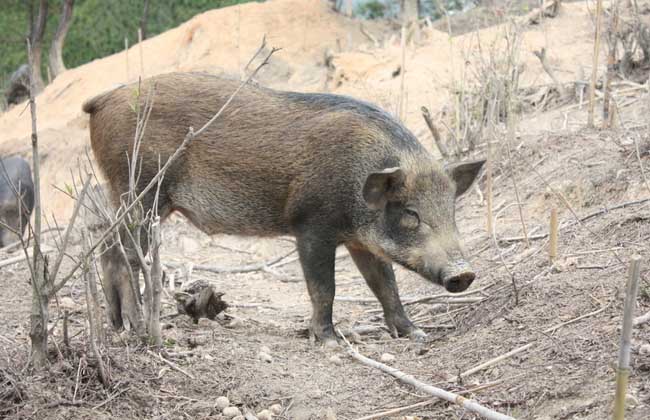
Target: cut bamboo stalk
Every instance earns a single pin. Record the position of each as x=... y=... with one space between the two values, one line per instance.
x=594 y=66
x=623 y=372
x=552 y=252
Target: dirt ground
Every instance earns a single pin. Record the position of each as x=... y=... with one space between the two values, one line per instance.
x=567 y=373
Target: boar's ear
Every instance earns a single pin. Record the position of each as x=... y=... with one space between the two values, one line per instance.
x=380 y=186
x=464 y=174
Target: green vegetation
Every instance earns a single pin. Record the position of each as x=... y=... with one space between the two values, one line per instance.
x=98 y=27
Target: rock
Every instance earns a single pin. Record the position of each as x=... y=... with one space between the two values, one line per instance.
x=222 y=402
x=276 y=409
x=387 y=358
x=67 y=303
x=208 y=357
x=250 y=416
x=265 y=357
x=336 y=360
x=207 y=323
x=235 y=323
x=645 y=350
x=330 y=415
x=231 y=412
x=265 y=349
x=264 y=415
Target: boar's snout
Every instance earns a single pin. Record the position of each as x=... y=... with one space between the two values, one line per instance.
x=457 y=277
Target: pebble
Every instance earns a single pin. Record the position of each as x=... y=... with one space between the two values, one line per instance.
x=265 y=349
x=644 y=350
x=387 y=358
x=264 y=415
x=336 y=360
x=231 y=412
x=236 y=323
x=222 y=402
x=265 y=357
x=276 y=409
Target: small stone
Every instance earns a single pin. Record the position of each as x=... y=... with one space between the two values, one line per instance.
x=222 y=402
x=265 y=349
x=250 y=416
x=236 y=323
x=631 y=401
x=67 y=303
x=330 y=415
x=276 y=409
x=239 y=418
x=231 y=412
x=336 y=360
x=644 y=350
x=264 y=415
x=208 y=357
x=387 y=358
x=265 y=357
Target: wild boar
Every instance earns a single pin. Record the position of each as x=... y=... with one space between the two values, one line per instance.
x=328 y=169
x=16 y=198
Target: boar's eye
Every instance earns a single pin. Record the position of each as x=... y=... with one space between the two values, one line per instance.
x=410 y=219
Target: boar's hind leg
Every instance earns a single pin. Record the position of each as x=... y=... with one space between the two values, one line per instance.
x=380 y=277
x=317 y=260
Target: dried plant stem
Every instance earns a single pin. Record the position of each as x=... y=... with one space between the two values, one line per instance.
x=126 y=56
x=155 y=333
x=172 y=365
x=402 y=93
x=434 y=132
x=398 y=410
x=623 y=372
x=594 y=65
x=141 y=53
x=608 y=114
x=552 y=252
x=509 y=138
x=525 y=347
x=468 y=404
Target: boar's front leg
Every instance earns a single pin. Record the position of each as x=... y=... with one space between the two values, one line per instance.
x=317 y=255
x=380 y=277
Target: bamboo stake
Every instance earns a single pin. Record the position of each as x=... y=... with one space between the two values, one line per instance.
x=594 y=66
x=623 y=373
x=468 y=404
x=611 y=61
x=552 y=252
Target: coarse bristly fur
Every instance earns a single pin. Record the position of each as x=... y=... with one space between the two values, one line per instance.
x=327 y=169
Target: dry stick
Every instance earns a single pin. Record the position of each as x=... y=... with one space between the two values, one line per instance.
x=94 y=323
x=623 y=372
x=402 y=99
x=541 y=54
x=126 y=55
x=398 y=410
x=141 y=55
x=468 y=404
x=186 y=142
x=21 y=258
x=172 y=365
x=611 y=60
x=552 y=252
x=594 y=65
x=434 y=132
x=156 y=282
x=524 y=347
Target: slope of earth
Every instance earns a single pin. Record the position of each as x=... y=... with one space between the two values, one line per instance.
x=568 y=313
